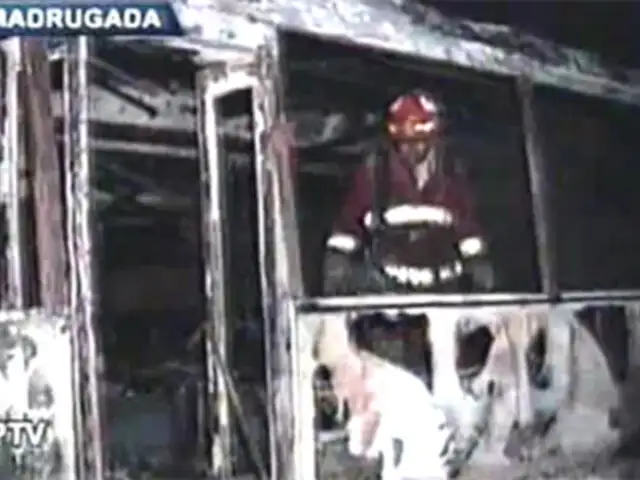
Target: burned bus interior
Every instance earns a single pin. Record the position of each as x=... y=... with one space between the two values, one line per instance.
x=157 y=261
x=150 y=249
x=147 y=256
x=149 y=261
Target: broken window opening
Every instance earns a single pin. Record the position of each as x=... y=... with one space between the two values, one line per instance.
x=590 y=146
x=244 y=323
x=482 y=155
x=148 y=268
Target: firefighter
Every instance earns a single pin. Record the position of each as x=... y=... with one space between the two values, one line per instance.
x=406 y=224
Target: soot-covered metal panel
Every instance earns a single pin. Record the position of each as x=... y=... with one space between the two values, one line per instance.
x=35 y=380
x=221 y=29
x=582 y=392
x=406 y=27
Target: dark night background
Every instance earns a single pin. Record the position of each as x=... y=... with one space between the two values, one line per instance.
x=609 y=28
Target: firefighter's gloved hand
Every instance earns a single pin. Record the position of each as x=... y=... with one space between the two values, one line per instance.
x=337 y=270
x=366 y=278
x=346 y=275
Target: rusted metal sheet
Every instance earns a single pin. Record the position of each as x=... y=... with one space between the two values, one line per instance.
x=13 y=188
x=42 y=155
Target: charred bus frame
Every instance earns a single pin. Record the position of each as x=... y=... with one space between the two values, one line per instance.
x=52 y=296
x=225 y=68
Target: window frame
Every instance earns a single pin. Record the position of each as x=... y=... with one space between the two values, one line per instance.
x=542 y=231
x=550 y=248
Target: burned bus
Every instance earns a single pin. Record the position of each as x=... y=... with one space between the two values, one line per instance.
x=170 y=206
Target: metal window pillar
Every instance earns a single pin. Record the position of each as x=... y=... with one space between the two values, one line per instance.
x=290 y=377
x=561 y=353
x=540 y=193
x=214 y=83
x=215 y=341
x=79 y=178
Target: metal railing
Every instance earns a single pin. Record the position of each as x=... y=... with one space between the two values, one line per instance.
x=403 y=301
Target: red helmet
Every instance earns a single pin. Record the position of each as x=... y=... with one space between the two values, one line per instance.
x=413 y=116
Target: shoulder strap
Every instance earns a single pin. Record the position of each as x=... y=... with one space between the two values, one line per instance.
x=378 y=168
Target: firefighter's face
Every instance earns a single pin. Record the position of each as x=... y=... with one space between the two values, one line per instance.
x=413 y=151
